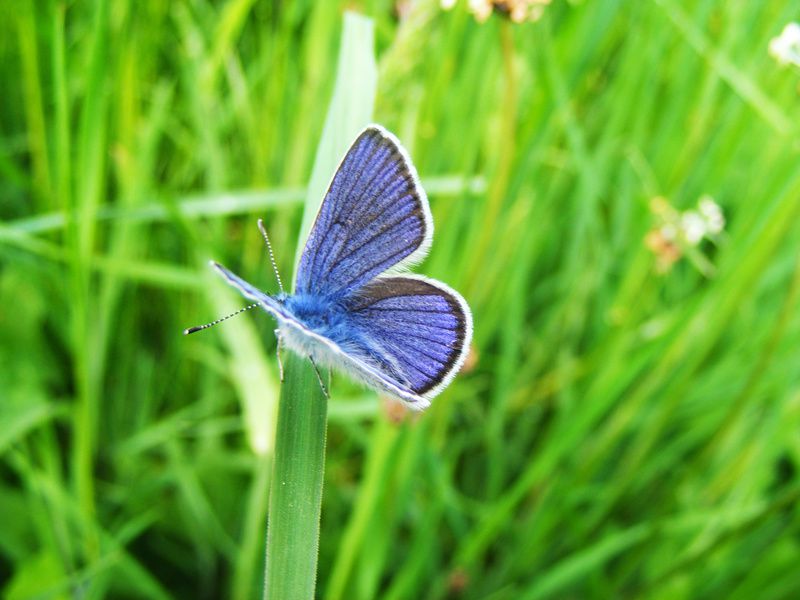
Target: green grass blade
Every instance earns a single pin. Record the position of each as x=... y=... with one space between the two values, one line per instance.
x=296 y=497
x=350 y=110
x=221 y=204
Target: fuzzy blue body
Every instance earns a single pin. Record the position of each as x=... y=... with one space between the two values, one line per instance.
x=324 y=316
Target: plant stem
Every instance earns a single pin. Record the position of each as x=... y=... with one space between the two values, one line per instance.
x=296 y=488
x=296 y=497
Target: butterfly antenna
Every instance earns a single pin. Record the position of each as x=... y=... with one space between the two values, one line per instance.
x=207 y=325
x=271 y=255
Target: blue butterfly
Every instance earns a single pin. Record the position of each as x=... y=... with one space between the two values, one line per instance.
x=403 y=335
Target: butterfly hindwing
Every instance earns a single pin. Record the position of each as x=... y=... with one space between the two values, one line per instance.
x=374 y=216
x=416 y=326
x=407 y=336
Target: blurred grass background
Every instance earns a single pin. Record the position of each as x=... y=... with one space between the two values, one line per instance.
x=623 y=431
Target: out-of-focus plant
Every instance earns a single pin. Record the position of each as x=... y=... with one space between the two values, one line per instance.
x=680 y=233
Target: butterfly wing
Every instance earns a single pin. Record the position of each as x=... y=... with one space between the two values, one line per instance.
x=417 y=332
x=375 y=216
x=406 y=336
x=251 y=292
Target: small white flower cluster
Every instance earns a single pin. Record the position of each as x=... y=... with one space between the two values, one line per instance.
x=705 y=222
x=517 y=10
x=786 y=47
x=678 y=232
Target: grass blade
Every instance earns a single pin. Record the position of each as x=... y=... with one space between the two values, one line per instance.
x=350 y=111
x=296 y=497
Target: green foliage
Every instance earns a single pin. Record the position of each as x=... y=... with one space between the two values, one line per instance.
x=296 y=495
x=625 y=430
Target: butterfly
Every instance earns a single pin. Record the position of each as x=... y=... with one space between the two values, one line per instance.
x=353 y=307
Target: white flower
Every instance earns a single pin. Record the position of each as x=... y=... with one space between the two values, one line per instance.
x=712 y=214
x=482 y=9
x=527 y=10
x=786 y=47
x=516 y=10
x=676 y=232
x=693 y=226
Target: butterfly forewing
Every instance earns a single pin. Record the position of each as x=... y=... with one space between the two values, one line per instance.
x=374 y=216
x=267 y=302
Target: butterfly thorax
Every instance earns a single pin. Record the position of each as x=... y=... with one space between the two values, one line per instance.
x=318 y=314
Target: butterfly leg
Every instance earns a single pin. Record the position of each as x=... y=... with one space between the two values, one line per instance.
x=278 y=351
x=319 y=378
